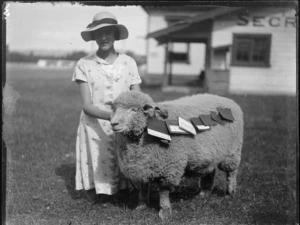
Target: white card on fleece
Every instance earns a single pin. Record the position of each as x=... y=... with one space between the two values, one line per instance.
x=159 y=134
x=187 y=126
x=203 y=127
x=177 y=129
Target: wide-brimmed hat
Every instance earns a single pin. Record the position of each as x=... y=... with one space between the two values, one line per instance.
x=104 y=19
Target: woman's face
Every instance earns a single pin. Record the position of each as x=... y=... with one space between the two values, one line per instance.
x=105 y=38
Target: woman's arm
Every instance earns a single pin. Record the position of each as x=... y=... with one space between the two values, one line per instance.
x=87 y=104
x=135 y=87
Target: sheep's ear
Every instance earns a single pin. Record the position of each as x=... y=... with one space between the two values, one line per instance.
x=148 y=110
x=161 y=112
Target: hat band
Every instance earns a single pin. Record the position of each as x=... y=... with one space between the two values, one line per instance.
x=98 y=22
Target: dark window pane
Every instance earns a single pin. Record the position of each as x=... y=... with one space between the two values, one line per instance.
x=259 y=49
x=252 y=50
x=243 y=49
x=178 y=56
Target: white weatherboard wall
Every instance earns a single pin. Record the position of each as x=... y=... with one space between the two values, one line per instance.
x=156 y=53
x=155 y=58
x=197 y=56
x=280 y=77
x=220 y=60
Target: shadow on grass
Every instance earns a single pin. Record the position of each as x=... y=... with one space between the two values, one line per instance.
x=67 y=173
x=218 y=191
x=124 y=198
x=265 y=217
x=129 y=199
x=188 y=190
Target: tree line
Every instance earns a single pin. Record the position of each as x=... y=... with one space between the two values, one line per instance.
x=15 y=56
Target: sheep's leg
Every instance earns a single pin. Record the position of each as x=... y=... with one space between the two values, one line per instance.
x=207 y=182
x=231 y=182
x=143 y=196
x=230 y=167
x=165 y=205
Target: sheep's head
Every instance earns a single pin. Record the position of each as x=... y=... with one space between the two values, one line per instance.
x=131 y=112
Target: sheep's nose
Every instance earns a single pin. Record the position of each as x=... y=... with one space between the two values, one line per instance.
x=113 y=123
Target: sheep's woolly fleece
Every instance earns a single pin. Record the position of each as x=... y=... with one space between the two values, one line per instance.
x=132 y=99
x=147 y=160
x=220 y=146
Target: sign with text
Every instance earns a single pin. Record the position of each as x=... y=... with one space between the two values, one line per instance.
x=264 y=21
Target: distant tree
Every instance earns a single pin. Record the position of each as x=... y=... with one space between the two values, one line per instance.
x=20 y=57
x=15 y=56
x=76 y=55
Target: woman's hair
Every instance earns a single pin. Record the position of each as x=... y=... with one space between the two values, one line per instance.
x=116 y=31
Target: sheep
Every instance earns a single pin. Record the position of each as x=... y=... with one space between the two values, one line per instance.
x=144 y=160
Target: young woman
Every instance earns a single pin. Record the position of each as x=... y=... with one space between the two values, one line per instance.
x=101 y=77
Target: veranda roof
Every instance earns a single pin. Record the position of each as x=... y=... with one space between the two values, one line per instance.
x=167 y=34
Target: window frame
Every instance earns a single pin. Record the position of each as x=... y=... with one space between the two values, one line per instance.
x=250 y=63
x=173 y=53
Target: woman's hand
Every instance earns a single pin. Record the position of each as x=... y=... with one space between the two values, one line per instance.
x=87 y=104
x=135 y=87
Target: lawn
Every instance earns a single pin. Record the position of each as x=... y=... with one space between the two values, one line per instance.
x=41 y=163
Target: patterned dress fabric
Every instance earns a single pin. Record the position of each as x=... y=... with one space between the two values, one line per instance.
x=96 y=163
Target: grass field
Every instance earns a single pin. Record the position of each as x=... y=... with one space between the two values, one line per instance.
x=41 y=163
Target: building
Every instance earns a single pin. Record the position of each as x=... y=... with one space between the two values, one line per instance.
x=187 y=57
x=240 y=49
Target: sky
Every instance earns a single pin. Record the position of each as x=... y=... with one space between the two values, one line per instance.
x=57 y=27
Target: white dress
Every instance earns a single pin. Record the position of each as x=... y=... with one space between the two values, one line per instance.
x=96 y=163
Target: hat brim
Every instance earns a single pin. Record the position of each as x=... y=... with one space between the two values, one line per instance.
x=123 y=32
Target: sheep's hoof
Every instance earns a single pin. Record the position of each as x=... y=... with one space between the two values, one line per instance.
x=204 y=193
x=230 y=191
x=165 y=213
x=141 y=207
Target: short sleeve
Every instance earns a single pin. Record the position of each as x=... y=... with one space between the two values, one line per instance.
x=134 y=73
x=79 y=73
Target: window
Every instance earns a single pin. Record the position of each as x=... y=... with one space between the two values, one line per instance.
x=251 y=50
x=179 y=53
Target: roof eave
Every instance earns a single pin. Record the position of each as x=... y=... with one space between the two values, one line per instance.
x=183 y=24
